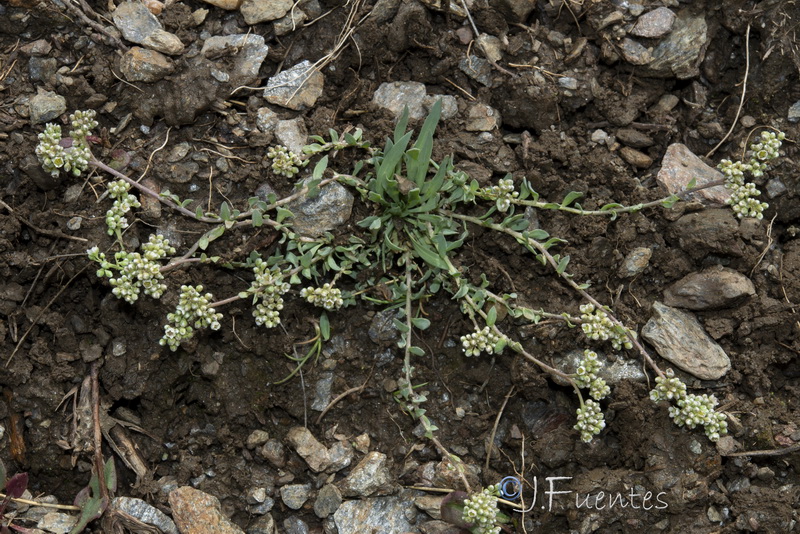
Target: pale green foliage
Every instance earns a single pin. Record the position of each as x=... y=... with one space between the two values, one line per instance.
x=586 y=376
x=284 y=161
x=590 y=420
x=691 y=410
x=132 y=272
x=123 y=202
x=327 y=296
x=598 y=326
x=480 y=510
x=71 y=155
x=744 y=194
x=193 y=312
x=483 y=340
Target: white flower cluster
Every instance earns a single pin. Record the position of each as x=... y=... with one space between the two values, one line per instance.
x=137 y=272
x=590 y=420
x=193 y=312
x=691 y=409
x=668 y=387
x=326 y=296
x=480 y=510
x=71 y=154
x=123 y=202
x=586 y=376
x=504 y=193
x=480 y=341
x=284 y=161
x=268 y=287
x=598 y=327
x=743 y=199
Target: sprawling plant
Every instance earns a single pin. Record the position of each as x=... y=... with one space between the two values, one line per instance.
x=409 y=246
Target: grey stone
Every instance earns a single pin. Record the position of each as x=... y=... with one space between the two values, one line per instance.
x=634 y=52
x=256 y=11
x=248 y=51
x=775 y=187
x=369 y=477
x=794 y=112
x=478 y=69
x=322 y=391
x=297 y=88
x=328 y=501
x=138 y=25
x=145 y=513
x=682 y=51
x=330 y=208
x=635 y=262
x=382 y=330
x=491 y=46
x=312 y=451
x=708 y=231
x=714 y=288
x=292 y=134
x=256 y=495
x=262 y=507
x=568 y=83
x=634 y=138
x=263 y=525
x=341 y=454
x=266 y=119
x=679 y=166
x=395 y=96
x=635 y=157
x=295 y=495
x=182 y=172
x=143 y=65
x=386 y=514
x=482 y=118
x=679 y=338
x=46 y=106
x=654 y=24
x=290 y=22
x=295 y=525
x=42 y=69
x=57 y=522
x=274 y=452
x=449 y=105
x=599 y=136
x=256 y=439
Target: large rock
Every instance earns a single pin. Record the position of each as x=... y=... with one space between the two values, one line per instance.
x=679 y=338
x=714 y=288
x=680 y=166
x=199 y=513
x=296 y=88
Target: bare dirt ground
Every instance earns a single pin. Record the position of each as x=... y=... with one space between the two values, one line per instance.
x=199 y=405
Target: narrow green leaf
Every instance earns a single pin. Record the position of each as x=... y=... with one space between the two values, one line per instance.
x=257 y=218
x=282 y=213
x=491 y=317
x=225 y=212
x=199 y=212
x=416 y=351
x=462 y=291
x=571 y=197
x=324 y=326
x=428 y=255
x=319 y=168
x=420 y=322
x=400 y=325
x=562 y=265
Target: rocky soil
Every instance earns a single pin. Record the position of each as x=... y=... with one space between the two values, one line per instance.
x=624 y=101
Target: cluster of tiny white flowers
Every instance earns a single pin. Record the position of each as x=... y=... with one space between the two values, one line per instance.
x=72 y=154
x=480 y=341
x=598 y=327
x=123 y=202
x=326 y=296
x=284 y=161
x=743 y=199
x=590 y=420
x=193 y=312
x=586 y=376
x=137 y=272
x=480 y=511
x=691 y=409
x=668 y=387
x=503 y=192
x=268 y=287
